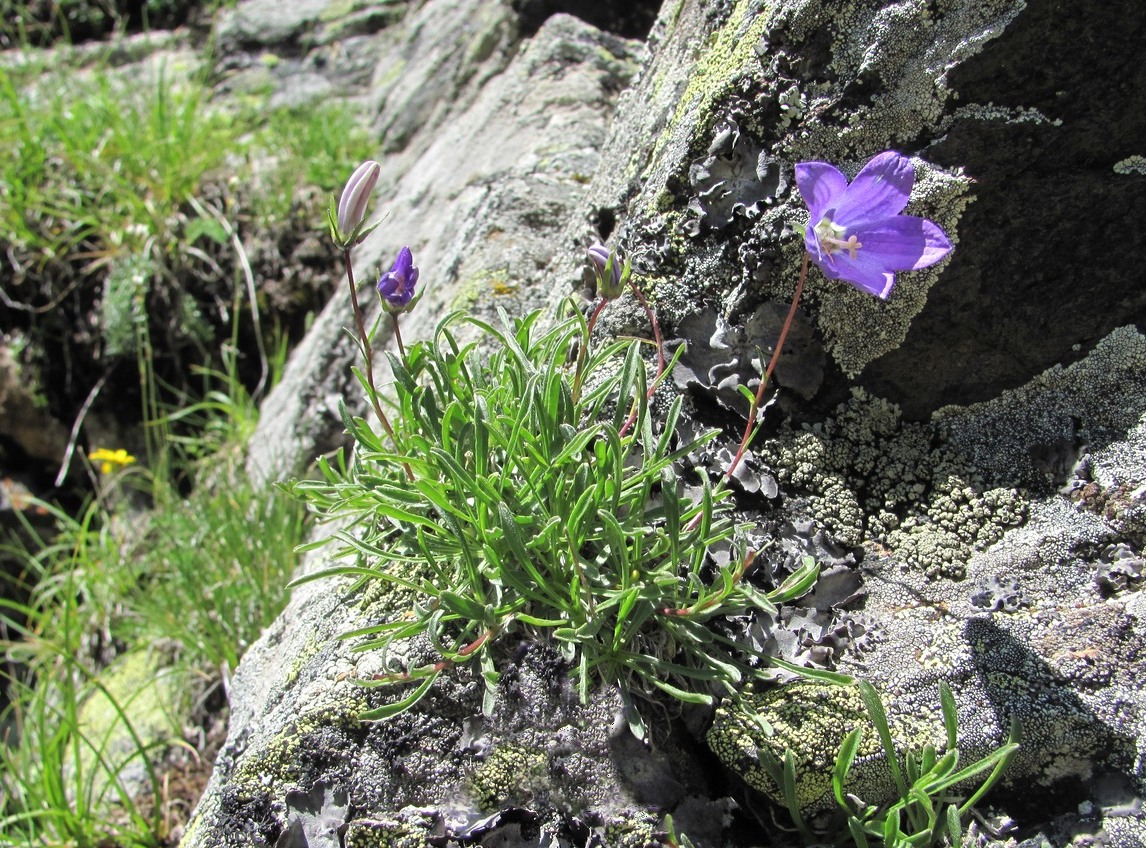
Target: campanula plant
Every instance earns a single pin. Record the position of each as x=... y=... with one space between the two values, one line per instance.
x=514 y=498
x=855 y=233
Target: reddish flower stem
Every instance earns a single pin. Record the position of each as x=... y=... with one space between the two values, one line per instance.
x=749 y=558
x=398 y=335
x=750 y=426
x=440 y=665
x=655 y=384
x=368 y=355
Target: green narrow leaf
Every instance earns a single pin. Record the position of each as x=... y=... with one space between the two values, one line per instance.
x=628 y=599
x=791 y=794
x=683 y=694
x=799 y=582
x=401 y=706
x=911 y=766
x=844 y=759
x=855 y=828
x=927 y=760
x=891 y=831
x=954 y=826
x=879 y=719
x=950 y=715
x=819 y=674
x=463 y=606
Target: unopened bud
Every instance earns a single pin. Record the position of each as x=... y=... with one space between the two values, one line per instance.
x=396 y=286
x=355 y=196
x=609 y=270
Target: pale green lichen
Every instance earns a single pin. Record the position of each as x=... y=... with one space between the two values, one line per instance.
x=512 y=774
x=276 y=764
x=1028 y=436
x=308 y=652
x=480 y=285
x=409 y=829
x=638 y=830
x=811 y=720
x=1131 y=165
x=726 y=59
x=870 y=478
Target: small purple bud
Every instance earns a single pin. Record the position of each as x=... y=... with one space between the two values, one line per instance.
x=609 y=270
x=396 y=286
x=355 y=196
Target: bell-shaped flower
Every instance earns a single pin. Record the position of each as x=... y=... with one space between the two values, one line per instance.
x=347 y=223
x=610 y=271
x=855 y=232
x=396 y=286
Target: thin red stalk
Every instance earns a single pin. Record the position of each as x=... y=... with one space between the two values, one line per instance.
x=584 y=351
x=683 y=611
x=368 y=354
x=750 y=426
x=652 y=316
x=440 y=665
x=655 y=384
x=398 y=335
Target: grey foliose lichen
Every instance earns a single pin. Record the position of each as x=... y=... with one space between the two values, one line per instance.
x=998 y=594
x=1121 y=568
x=722 y=357
x=736 y=179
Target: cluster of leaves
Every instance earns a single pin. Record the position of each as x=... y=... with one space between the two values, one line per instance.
x=513 y=503
x=934 y=801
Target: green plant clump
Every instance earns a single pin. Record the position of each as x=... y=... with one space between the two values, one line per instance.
x=527 y=507
x=934 y=801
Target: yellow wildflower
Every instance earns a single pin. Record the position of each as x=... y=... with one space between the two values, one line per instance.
x=110 y=460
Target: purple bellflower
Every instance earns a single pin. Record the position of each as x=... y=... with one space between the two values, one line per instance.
x=609 y=270
x=855 y=232
x=352 y=203
x=396 y=286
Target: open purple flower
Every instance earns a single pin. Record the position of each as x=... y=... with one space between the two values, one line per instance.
x=396 y=286
x=855 y=232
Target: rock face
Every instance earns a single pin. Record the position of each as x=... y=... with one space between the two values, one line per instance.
x=997 y=545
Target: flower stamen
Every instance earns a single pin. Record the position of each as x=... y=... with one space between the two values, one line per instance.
x=828 y=236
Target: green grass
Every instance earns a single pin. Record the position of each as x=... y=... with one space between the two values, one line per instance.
x=109 y=199
x=129 y=193
x=201 y=574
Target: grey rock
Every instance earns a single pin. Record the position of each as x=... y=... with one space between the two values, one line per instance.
x=480 y=194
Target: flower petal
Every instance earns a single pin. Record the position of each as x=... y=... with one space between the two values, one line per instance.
x=870 y=277
x=820 y=185
x=902 y=243
x=879 y=191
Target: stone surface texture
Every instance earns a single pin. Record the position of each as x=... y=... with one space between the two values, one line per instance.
x=969 y=457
